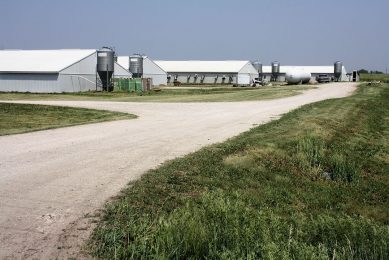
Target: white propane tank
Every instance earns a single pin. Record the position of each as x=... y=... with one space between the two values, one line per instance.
x=297 y=76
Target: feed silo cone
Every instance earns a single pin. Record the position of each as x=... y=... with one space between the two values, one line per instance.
x=258 y=66
x=136 y=65
x=275 y=70
x=105 y=67
x=338 y=69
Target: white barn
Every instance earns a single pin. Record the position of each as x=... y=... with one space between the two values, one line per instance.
x=209 y=72
x=50 y=71
x=313 y=70
x=150 y=69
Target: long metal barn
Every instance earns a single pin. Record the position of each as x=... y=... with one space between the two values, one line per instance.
x=51 y=71
x=209 y=72
x=313 y=70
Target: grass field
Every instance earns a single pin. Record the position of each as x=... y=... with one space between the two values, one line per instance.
x=21 y=118
x=172 y=95
x=312 y=185
x=375 y=77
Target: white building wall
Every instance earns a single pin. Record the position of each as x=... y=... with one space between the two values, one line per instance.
x=36 y=83
x=86 y=66
x=208 y=78
x=79 y=77
x=244 y=79
x=153 y=71
x=314 y=70
x=76 y=83
x=158 y=80
x=150 y=70
x=247 y=74
x=120 y=72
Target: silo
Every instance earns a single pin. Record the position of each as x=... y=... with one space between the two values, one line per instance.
x=136 y=65
x=275 y=70
x=105 y=67
x=258 y=66
x=338 y=69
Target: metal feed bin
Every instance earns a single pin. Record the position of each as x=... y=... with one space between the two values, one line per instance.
x=275 y=70
x=136 y=65
x=105 y=67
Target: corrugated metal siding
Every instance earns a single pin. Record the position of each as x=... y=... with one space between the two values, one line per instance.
x=38 y=83
x=39 y=61
x=152 y=70
x=79 y=77
x=202 y=66
x=314 y=70
x=121 y=72
x=210 y=78
x=157 y=79
x=86 y=66
x=150 y=67
x=247 y=74
x=244 y=79
x=213 y=72
x=248 y=69
x=76 y=83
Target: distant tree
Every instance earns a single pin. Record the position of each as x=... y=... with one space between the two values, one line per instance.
x=376 y=72
x=363 y=71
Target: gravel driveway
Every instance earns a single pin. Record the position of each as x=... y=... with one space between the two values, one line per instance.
x=50 y=180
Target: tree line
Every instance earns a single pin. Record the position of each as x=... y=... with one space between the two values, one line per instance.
x=363 y=71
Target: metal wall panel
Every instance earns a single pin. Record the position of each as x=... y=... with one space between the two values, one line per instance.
x=80 y=76
x=157 y=79
x=244 y=79
x=152 y=70
x=121 y=72
x=83 y=67
x=247 y=74
x=76 y=83
x=36 y=83
x=209 y=78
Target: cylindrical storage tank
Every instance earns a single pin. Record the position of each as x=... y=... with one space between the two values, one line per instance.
x=275 y=69
x=258 y=66
x=136 y=65
x=338 y=69
x=105 y=67
x=297 y=77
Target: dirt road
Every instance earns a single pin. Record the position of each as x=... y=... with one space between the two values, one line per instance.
x=50 y=180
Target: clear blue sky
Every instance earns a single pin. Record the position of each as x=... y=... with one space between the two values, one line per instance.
x=294 y=32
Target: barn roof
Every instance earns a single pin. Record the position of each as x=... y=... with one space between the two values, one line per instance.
x=310 y=69
x=197 y=66
x=40 y=61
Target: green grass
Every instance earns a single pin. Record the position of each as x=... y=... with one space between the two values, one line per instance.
x=221 y=94
x=22 y=118
x=312 y=185
x=375 y=77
